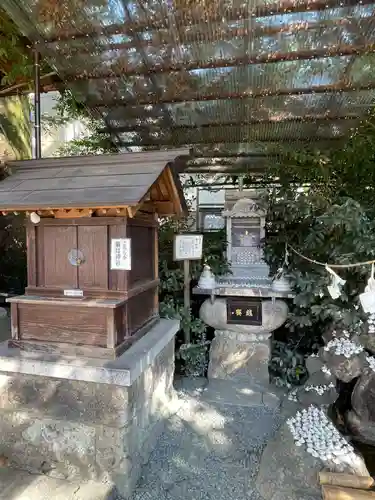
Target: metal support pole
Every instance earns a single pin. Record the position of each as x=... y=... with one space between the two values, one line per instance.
x=187 y=300
x=37 y=128
x=240 y=183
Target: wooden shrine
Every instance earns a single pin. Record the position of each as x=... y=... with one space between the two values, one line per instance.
x=92 y=248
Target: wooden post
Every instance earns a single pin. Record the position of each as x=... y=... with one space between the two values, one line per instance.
x=187 y=298
x=341 y=493
x=187 y=247
x=346 y=480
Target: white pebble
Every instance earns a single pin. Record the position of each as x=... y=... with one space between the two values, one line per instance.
x=312 y=428
x=343 y=346
x=371 y=361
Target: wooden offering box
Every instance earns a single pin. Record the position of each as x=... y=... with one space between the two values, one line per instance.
x=92 y=246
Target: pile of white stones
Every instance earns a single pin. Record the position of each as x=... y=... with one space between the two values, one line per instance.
x=326 y=370
x=345 y=333
x=343 y=346
x=312 y=428
x=371 y=323
x=292 y=396
x=371 y=361
x=319 y=389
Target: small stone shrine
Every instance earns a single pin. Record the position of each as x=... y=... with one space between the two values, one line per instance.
x=243 y=308
x=86 y=381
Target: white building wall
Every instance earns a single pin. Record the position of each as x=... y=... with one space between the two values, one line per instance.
x=54 y=138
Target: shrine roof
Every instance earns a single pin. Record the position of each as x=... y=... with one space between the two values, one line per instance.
x=116 y=180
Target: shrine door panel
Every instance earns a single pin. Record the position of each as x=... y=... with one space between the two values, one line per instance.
x=54 y=268
x=93 y=243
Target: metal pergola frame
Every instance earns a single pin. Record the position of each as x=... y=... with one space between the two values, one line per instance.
x=198 y=74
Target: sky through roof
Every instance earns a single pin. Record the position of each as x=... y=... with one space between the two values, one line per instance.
x=224 y=78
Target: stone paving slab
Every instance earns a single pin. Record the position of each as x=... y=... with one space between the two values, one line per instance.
x=230 y=392
x=20 y=485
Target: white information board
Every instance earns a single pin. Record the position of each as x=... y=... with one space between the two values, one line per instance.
x=73 y=293
x=121 y=254
x=188 y=246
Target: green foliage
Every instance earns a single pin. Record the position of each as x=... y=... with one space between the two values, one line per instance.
x=340 y=233
x=171 y=272
x=195 y=358
x=323 y=206
x=95 y=142
x=15 y=59
x=13 y=252
x=194 y=355
x=287 y=365
x=68 y=106
x=15 y=125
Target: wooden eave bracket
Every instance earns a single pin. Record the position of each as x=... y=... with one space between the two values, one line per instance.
x=71 y=213
x=163 y=196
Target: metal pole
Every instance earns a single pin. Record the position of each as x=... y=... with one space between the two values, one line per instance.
x=187 y=300
x=37 y=128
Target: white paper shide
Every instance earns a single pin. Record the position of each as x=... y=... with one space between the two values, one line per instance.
x=121 y=254
x=367 y=298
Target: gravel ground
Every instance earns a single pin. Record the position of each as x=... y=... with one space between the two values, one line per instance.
x=210 y=450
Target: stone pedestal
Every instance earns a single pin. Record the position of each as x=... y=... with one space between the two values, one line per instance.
x=86 y=419
x=240 y=356
x=241 y=352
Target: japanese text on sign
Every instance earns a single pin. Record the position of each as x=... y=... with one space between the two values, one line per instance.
x=121 y=254
x=188 y=247
x=240 y=311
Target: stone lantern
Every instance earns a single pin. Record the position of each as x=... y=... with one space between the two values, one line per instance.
x=243 y=308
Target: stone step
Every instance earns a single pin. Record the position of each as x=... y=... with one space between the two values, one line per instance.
x=238 y=393
x=20 y=485
x=229 y=392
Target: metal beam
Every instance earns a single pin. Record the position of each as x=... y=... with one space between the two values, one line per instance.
x=222 y=143
x=162 y=41
x=224 y=160
x=272 y=149
x=225 y=169
x=139 y=46
x=242 y=123
x=304 y=55
x=225 y=96
x=194 y=17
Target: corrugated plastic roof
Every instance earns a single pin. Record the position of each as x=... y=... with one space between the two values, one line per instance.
x=222 y=77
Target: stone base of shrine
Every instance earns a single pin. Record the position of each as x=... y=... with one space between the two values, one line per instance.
x=86 y=419
x=241 y=357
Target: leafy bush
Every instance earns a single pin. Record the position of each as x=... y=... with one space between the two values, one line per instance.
x=287 y=365
x=322 y=205
x=13 y=254
x=193 y=357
